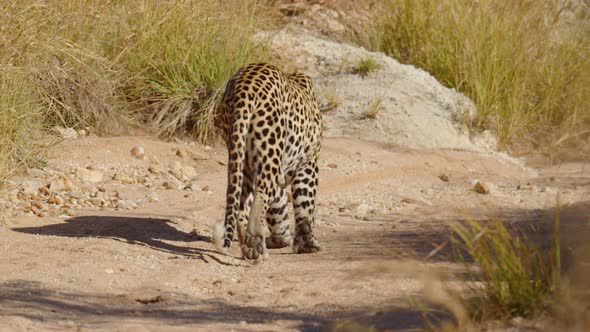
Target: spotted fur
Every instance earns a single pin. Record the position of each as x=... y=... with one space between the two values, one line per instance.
x=273 y=127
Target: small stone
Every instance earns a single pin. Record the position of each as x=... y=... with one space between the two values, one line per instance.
x=408 y=200
x=66 y=133
x=444 y=177
x=30 y=187
x=360 y=209
x=546 y=190
x=98 y=202
x=36 y=197
x=53 y=212
x=39 y=205
x=154 y=169
x=193 y=186
x=68 y=185
x=44 y=191
x=88 y=175
x=180 y=153
x=332 y=166
x=126 y=204
x=170 y=185
x=517 y=321
x=56 y=200
x=138 y=152
x=205 y=188
x=527 y=187
x=208 y=148
x=42 y=214
x=481 y=188
x=124 y=178
x=57 y=185
x=35 y=172
x=176 y=170
x=153 y=197
x=379 y=211
x=189 y=171
x=82 y=133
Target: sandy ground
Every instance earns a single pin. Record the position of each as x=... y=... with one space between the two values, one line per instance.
x=153 y=267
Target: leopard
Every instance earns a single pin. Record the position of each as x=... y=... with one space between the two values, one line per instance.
x=272 y=126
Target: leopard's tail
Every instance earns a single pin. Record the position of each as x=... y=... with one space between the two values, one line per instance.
x=218 y=234
x=223 y=234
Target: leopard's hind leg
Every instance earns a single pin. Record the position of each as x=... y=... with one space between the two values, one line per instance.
x=254 y=246
x=304 y=189
x=277 y=218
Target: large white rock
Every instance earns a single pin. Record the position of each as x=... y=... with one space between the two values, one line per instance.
x=415 y=110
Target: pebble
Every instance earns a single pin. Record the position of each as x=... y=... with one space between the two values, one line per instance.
x=358 y=208
x=138 y=152
x=444 y=177
x=124 y=178
x=66 y=133
x=527 y=187
x=55 y=200
x=30 y=186
x=189 y=171
x=170 y=185
x=153 y=197
x=35 y=172
x=481 y=188
x=193 y=186
x=180 y=153
x=98 y=202
x=44 y=191
x=126 y=204
x=89 y=175
x=39 y=205
x=154 y=169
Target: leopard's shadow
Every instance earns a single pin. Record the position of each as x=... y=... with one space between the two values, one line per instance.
x=151 y=232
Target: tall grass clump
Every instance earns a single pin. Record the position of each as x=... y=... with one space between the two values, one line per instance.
x=514 y=278
x=111 y=65
x=18 y=123
x=184 y=52
x=526 y=69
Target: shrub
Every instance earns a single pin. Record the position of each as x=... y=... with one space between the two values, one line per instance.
x=515 y=277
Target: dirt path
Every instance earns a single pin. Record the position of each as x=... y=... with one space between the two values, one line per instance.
x=152 y=267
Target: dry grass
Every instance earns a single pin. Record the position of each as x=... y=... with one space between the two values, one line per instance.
x=527 y=71
x=183 y=63
x=110 y=65
x=515 y=278
x=17 y=124
x=366 y=66
x=374 y=109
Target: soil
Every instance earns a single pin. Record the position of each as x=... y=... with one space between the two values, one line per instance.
x=112 y=237
x=382 y=212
